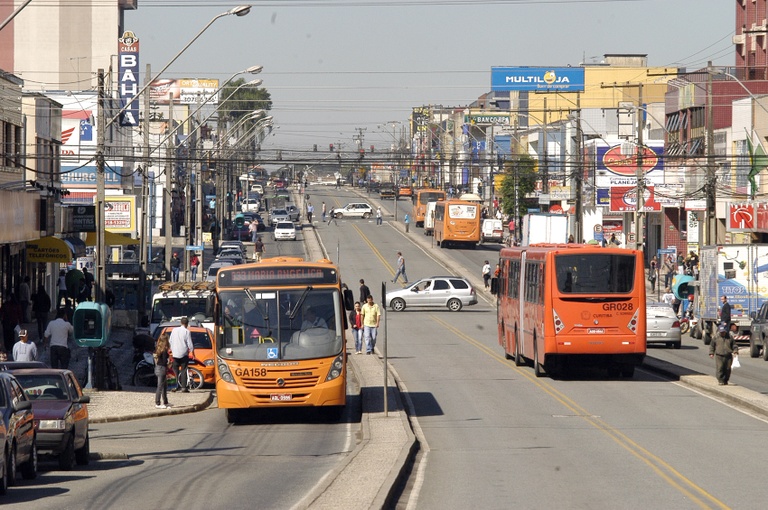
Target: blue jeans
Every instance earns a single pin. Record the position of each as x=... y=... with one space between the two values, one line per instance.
x=175 y=274
x=400 y=271
x=161 y=393
x=378 y=220
x=369 y=334
x=194 y=273
x=358 y=336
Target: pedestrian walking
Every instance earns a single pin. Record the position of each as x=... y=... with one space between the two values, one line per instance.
x=310 y=211
x=25 y=297
x=723 y=348
x=407 y=221
x=378 y=216
x=41 y=305
x=364 y=291
x=725 y=312
x=653 y=270
x=400 y=268
x=62 y=285
x=175 y=267
x=10 y=314
x=669 y=271
x=495 y=280
x=24 y=350
x=182 y=348
x=194 y=262
x=89 y=280
x=324 y=210
x=258 y=249
x=487 y=275
x=371 y=319
x=161 y=372
x=253 y=228
x=57 y=335
x=356 y=323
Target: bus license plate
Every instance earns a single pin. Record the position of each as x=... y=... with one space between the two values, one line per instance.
x=596 y=331
x=281 y=397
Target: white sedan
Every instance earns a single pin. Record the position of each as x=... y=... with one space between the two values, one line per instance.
x=284 y=230
x=354 y=210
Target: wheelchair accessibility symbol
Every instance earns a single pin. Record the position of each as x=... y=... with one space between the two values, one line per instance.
x=272 y=353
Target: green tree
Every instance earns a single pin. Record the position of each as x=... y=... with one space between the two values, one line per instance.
x=520 y=171
x=244 y=100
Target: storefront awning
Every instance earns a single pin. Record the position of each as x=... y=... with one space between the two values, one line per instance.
x=110 y=239
x=49 y=249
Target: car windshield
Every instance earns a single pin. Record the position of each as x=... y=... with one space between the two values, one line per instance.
x=660 y=310
x=280 y=324
x=43 y=387
x=279 y=211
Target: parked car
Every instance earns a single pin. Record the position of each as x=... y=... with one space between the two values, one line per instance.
x=236 y=256
x=202 y=339
x=240 y=233
x=353 y=210
x=278 y=215
x=19 y=423
x=210 y=276
x=232 y=244
x=284 y=230
x=453 y=292
x=61 y=414
x=250 y=205
x=294 y=212
x=662 y=325
x=13 y=365
x=759 y=333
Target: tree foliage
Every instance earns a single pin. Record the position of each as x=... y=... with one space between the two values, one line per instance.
x=243 y=100
x=520 y=172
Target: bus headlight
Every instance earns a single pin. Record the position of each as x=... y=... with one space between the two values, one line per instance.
x=336 y=368
x=224 y=372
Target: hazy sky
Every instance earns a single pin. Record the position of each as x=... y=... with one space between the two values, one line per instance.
x=333 y=66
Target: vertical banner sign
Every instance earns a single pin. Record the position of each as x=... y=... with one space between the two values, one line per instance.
x=128 y=61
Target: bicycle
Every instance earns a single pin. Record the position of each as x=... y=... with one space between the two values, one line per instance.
x=111 y=375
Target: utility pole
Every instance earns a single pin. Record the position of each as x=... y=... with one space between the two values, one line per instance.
x=639 y=173
x=143 y=257
x=545 y=175
x=169 y=164
x=101 y=276
x=710 y=234
x=579 y=175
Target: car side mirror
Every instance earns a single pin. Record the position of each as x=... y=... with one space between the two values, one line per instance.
x=83 y=399
x=22 y=405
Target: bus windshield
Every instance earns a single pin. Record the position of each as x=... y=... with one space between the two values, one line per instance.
x=170 y=308
x=295 y=324
x=431 y=196
x=595 y=273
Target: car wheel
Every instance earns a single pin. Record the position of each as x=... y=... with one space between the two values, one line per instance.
x=677 y=345
x=454 y=305
x=67 y=456
x=83 y=455
x=398 y=304
x=366 y=215
x=10 y=466
x=754 y=349
x=29 y=468
x=765 y=351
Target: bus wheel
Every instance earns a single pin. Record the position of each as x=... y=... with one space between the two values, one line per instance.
x=706 y=336
x=503 y=334
x=398 y=304
x=518 y=355
x=538 y=370
x=454 y=305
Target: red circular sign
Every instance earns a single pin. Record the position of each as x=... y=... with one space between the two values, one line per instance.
x=621 y=164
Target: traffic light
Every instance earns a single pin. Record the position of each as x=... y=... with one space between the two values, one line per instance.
x=229 y=201
x=372 y=148
x=314 y=148
x=330 y=147
x=362 y=153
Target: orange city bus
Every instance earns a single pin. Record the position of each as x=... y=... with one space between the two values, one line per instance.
x=457 y=221
x=280 y=335
x=420 y=199
x=559 y=303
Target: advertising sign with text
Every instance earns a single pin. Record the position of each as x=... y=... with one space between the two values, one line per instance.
x=539 y=79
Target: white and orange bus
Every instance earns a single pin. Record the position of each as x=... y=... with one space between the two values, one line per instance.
x=457 y=222
x=421 y=198
x=280 y=336
x=559 y=303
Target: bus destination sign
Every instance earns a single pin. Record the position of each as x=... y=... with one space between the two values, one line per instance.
x=276 y=275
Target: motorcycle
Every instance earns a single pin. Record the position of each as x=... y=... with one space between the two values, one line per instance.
x=688 y=321
x=144 y=373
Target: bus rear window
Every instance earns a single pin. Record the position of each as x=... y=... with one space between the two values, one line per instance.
x=595 y=273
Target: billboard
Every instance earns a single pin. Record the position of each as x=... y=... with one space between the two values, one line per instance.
x=128 y=78
x=538 y=79
x=617 y=169
x=624 y=199
x=185 y=91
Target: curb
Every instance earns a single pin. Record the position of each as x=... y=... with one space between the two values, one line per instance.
x=153 y=413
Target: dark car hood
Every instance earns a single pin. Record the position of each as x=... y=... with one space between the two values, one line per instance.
x=50 y=409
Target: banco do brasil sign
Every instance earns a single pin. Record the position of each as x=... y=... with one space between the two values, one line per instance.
x=561 y=79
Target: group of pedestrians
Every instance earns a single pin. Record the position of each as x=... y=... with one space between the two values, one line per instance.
x=364 y=321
